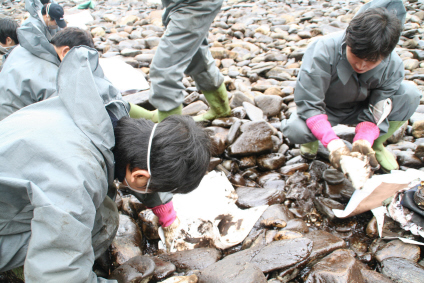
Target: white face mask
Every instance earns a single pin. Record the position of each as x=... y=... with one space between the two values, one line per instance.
x=4 y=50
x=148 y=164
x=137 y=191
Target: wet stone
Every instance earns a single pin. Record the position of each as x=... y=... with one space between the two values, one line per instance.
x=289 y=170
x=163 y=269
x=418 y=129
x=419 y=151
x=199 y=258
x=213 y=163
x=408 y=159
x=271 y=161
x=357 y=244
x=235 y=272
x=324 y=243
x=194 y=108
x=297 y=225
x=326 y=206
x=372 y=276
x=255 y=139
x=397 y=248
x=253 y=112
x=286 y=235
x=316 y=169
x=149 y=224
x=333 y=176
x=238 y=99
x=234 y=132
x=182 y=279
x=341 y=192
x=238 y=112
x=339 y=266
x=269 y=104
x=224 y=122
x=372 y=228
x=275 y=185
x=276 y=255
x=251 y=197
x=402 y=270
x=137 y=269
x=127 y=241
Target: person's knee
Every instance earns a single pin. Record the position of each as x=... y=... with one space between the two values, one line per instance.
x=296 y=130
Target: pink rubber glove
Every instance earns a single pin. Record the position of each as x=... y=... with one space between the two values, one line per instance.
x=321 y=128
x=165 y=213
x=366 y=131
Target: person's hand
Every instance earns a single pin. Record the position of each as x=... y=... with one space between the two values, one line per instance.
x=171 y=232
x=337 y=149
x=364 y=147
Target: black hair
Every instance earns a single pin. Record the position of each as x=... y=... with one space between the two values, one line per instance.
x=72 y=37
x=44 y=9
x=179 y=156
x=8 y=28
x=45 y=2
x=373 y=34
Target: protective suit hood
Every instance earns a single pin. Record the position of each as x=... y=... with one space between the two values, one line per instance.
x=32 y=37
x=33 y=6
x=396 y=6
x=83 y=89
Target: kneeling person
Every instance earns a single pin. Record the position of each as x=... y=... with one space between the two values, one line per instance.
x=55 y=213
x=29 y=74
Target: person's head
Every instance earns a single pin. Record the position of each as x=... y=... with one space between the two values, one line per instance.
x=8 y=35
x=53 y=16
x=179 y=154
x=66 y=39
x=45 y=2
x=370 y=37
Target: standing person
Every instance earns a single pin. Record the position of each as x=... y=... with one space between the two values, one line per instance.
x=8 y=37
x=29 y=74
x=58 y=161
x=354 y=77
x=184 y=49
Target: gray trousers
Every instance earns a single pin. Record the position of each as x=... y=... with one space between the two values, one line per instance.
x=404 y=103
x=184 y=49
x=105 y=226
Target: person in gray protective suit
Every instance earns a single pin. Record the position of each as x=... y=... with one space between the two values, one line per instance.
x=40 y=18
x=354 y=77
x=56 y=211
x=184 y=49
x=29 y=74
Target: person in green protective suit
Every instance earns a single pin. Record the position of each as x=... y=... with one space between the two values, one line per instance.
x=184 y=49
x=354 y=77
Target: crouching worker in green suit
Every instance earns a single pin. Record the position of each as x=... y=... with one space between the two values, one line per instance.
x=59 y=159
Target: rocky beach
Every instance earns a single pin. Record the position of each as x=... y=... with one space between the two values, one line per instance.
x=258 y=47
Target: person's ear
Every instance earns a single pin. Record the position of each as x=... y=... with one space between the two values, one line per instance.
x=65 y=50
x=9 y=41
x=138 y=176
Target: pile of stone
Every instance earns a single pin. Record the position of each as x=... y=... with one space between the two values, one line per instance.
x=258 y=46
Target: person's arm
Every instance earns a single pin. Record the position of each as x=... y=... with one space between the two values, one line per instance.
x=312 y=84
x=60 y=247
x=161 y=205
x=389 y=83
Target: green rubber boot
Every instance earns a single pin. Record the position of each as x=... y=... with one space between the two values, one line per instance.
x=163 y=114
x=218 y=104
x=384 y=157
x=309 y=150
x=138 y=112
